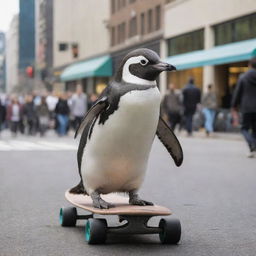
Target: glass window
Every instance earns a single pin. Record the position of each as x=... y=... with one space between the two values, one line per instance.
x=158 y=17
x=242 y=29
x=150 y=21
x=235 y=30
x=113 y=35
x=253 y=26
x=133 y=27
x=186 y=43
x=142 y=23
x=113 y=6
x=63 y=47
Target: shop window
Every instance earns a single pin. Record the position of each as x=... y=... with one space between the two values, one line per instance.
x=235 y=30
x=186 y=43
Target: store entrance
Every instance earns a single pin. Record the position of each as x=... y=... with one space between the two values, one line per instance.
x=226 y=77
x=180 y=78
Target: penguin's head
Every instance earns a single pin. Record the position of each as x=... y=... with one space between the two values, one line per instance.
x=141 y=66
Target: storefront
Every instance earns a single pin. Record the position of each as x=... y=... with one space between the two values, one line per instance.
x=226 y=62
x=92 y=74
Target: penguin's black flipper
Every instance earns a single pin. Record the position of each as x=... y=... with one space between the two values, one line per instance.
x=92 y=113
x=170 y=141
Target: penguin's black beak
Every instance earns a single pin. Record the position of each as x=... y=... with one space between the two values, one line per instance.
x=162 y=66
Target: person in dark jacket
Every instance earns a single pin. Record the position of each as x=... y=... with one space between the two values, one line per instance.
x=245 y=98
x=2 y=115
x=172 y=106
x=43 y=116
x=30 y=115
x=62 y=111
x=191 y=97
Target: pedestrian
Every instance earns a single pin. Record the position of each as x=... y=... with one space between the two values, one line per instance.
x=172 y=106
x=14 y=115
x=2 y=115
x=244 y=99
x=30 y=115
x=51 y=101
x=209 y=104
x=62 y=112
x=43 y=116
x=191 y=97
x=79 y=106
x=92 y=99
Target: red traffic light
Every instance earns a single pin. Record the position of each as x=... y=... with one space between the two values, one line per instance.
x=30 y=71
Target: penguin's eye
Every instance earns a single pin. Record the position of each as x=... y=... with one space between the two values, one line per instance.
x=144 y=62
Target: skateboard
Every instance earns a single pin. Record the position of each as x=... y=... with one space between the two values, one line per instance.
x=135 y=218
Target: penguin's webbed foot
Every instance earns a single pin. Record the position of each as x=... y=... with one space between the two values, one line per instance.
x=135 y=200
x=98 y=202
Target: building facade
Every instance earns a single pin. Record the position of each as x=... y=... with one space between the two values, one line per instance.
x=44 y=43
x=135 y=24
x=2 y=61
x=26 y=42
x=214 y=46
x=12 y=53
x=80 y=35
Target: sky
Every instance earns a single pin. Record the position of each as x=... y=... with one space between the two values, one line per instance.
x=8 y=9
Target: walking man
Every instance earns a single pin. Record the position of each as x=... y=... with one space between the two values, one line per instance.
x=245 y=98
x=78 y=106
x=191 y=97
x=209 y=103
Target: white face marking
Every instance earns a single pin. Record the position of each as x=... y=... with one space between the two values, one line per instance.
x=130 y=78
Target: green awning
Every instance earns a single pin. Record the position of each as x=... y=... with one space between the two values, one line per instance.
x=224 y=54
x=96 y=67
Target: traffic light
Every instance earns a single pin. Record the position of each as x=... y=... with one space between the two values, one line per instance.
x=75 y=50
x=30 y=71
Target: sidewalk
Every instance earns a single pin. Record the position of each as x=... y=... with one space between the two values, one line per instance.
x=215 y=135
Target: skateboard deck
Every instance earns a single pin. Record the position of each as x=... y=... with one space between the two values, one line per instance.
x=121 y=206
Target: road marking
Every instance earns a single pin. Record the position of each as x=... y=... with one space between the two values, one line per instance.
x=39 y=145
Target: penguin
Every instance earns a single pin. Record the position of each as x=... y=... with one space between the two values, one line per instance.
x=118 y=131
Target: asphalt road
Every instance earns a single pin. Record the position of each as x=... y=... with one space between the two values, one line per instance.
x=213 y=194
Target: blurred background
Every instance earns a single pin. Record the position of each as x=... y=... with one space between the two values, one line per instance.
x=52 y=46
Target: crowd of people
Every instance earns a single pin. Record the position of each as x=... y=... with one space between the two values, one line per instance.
x=36 y=113
x=180 y=106
x=32 y=114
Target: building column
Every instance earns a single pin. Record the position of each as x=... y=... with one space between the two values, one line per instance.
x=89 y=85
x=208 y=71
x=163 y=75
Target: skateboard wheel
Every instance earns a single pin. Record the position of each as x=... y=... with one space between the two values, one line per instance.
x=96 y=231
x=171 y=231
x=68 y=216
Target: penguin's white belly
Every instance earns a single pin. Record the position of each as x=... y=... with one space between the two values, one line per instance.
x=115 y=157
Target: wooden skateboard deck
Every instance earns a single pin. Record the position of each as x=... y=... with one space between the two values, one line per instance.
x=122 y=206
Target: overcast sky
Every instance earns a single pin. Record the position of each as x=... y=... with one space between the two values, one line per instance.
x=7 y=10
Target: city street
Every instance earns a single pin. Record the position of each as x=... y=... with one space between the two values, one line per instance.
x=212 y=193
